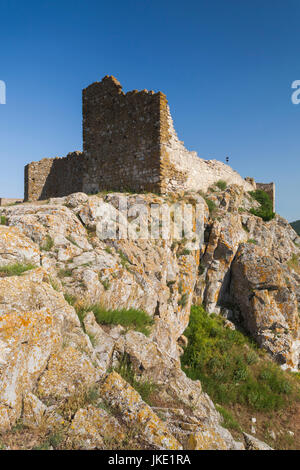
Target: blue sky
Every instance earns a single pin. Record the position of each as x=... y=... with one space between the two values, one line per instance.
x=225 y=66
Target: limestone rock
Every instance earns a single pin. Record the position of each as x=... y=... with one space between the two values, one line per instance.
x=69 y=372
x=17 y=248
x=252 y=443
x=206 y=439
x=35 y=321
x=37 y=415
x=267 y=304
x=94 y=428
x=124 y=399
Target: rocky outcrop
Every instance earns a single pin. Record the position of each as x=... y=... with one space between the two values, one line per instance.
x=267 y=304
x=55 y=368
x=252 y=443
x=246 y=275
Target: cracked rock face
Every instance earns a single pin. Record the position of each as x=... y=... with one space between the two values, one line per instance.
x=262 y=293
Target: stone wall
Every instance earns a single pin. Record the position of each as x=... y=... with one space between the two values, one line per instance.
x=54 y=177
x=121 y=138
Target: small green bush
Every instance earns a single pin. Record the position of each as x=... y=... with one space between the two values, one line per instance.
x=211 y=205
x=265 y=211
x=124 y=259
x=16 y=269
x=3 y=220
x=64 y=273
x=184 y=299
x=221 y=184
x=105 y=283
x=183 y=252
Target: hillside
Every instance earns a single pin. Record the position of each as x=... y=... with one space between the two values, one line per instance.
x=148 y=343
x=296 y=226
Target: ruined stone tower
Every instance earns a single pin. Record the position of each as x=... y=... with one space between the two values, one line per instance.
x=129 y=144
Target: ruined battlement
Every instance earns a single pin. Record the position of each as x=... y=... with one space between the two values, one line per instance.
x=129 y=143
x=121 y=137
x=53 y=177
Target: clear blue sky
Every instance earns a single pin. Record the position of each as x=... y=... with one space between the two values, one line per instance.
x=226 y=67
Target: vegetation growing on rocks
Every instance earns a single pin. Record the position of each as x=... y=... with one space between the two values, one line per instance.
x=265 y=211
x=129 y=318
x=15 y=269
x=145 y=388
x=82 y=312
x=234 y=372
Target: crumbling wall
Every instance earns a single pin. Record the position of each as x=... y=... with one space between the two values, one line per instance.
x=54 y=177
x=186 y=171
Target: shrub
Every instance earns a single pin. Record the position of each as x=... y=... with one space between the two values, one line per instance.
x=124 y=259
x=3 y=220
x=105 y=283
x=184 y=299
x=229 y=368
x=221 y=184
x=183 y=252
x=16 y=269
x=265 y=211
x=211 y=205
x=64 y=273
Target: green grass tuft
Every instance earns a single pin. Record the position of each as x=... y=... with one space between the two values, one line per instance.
x=129 y=318
x=16 y=269
x=221 y=184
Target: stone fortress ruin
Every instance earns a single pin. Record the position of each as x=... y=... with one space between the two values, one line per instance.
x=129 y=144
